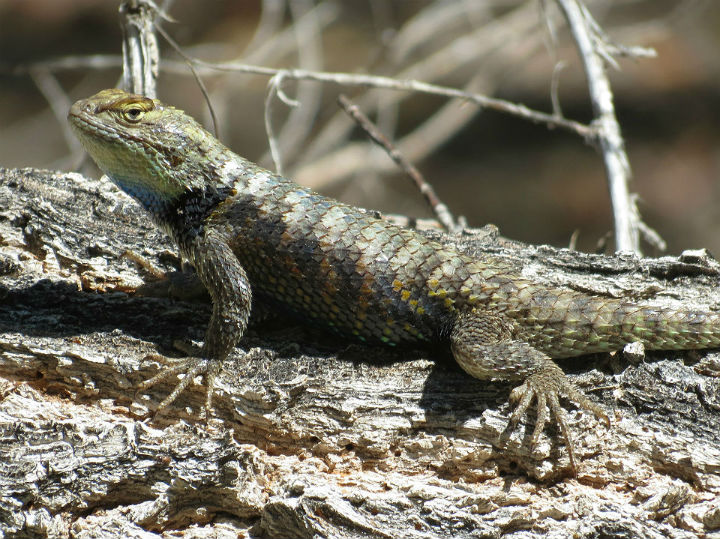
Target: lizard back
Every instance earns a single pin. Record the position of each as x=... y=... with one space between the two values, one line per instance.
x=343 y=267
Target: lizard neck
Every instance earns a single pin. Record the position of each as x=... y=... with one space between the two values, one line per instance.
x=183 y=216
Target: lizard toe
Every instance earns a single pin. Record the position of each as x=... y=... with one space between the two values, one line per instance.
x=190 y=368
x=545 y=388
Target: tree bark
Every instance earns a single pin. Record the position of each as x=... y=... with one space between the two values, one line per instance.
x=314 y=436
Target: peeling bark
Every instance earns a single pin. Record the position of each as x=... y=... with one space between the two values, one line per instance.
x=314 y=436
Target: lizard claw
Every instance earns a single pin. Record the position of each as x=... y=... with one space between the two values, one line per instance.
x=546 y=387
x=190 y=367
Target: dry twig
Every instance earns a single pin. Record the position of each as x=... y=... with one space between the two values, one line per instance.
x=441 y=210
x=592 y=52
x=141 y=56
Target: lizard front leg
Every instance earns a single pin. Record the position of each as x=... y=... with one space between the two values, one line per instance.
x=226 y=281
x=486 y=347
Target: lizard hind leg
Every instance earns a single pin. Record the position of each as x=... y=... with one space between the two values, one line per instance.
x=485 y=346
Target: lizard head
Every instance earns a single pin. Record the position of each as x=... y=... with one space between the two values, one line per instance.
x=152 y=151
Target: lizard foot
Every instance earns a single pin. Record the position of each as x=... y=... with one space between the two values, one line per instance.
x=546 y=387
x=190 y=367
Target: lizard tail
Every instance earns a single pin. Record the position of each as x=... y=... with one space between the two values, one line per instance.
x=672 y=329
x=598 y=325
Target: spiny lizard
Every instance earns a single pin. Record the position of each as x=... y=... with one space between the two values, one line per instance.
x=250 y=232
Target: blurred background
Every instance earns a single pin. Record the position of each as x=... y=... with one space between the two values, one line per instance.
x=538 y=185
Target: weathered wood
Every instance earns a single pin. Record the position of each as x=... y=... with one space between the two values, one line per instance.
x=314 y=436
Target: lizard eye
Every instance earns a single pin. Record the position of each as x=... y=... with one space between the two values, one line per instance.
x=133 y=114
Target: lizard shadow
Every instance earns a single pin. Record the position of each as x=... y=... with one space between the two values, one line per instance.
x=58 y=309
x=465 y=409
x=449 y=397
x=48 y=308
x=450 y=394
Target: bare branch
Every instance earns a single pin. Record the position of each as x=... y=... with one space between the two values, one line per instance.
x=554 y=87
x=300 y=121
x=59 y=104
x=194 y=72
x=274 y=89
x=490 y=38
x=612 y=145
x=139 y=47
x=271 y=18
x=71 y=63
x=377 y=81
x=441 y=210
